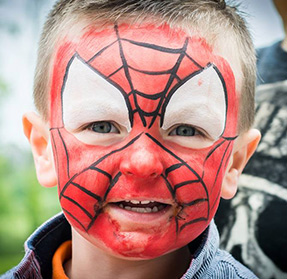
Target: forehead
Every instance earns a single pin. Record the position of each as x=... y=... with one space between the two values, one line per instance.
x=143 y=58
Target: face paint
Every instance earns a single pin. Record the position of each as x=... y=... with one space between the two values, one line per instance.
x=142 y=123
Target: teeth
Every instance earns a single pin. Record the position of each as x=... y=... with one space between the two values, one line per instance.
x=139 y=202
x=135 y=202
x=141 y=209
x=155 y=209
x=145 y=202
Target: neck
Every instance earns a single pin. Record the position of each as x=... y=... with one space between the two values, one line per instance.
x=88 y=261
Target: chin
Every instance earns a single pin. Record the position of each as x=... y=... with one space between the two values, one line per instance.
x=135 y=242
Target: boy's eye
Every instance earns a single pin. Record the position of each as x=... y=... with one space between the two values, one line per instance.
x=104 y=127
x=184 y=131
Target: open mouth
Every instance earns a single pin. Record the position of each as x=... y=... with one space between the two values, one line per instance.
x=142 y=206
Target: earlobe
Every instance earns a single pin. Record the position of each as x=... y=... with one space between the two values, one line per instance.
x=244 y=147
x=37 y=133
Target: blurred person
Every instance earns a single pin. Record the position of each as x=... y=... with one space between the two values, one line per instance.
x=272 y=60
x=145 y=120
x=254 y=224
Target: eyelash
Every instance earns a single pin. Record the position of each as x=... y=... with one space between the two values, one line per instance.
x=89 y=126
x=198 y=132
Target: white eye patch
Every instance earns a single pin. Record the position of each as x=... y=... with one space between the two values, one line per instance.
x=199 y=102
x=88 y=97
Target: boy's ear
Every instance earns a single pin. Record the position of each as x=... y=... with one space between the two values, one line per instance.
x=243 y=149
x=37 y=133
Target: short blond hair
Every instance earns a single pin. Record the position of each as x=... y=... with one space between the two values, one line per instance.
x=212 y=18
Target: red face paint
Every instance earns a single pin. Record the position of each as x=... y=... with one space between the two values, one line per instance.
x=148 y=67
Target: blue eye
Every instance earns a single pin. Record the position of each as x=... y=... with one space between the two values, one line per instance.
x=184 y=131
x=103 y=127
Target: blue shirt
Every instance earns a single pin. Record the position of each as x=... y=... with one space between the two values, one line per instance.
x=208 y=262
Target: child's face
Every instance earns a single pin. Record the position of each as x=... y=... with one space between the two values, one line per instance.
x=143 y=121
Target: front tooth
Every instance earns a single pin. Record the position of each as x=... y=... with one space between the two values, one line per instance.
x=128 y=208
x=135 y=201
x=148 y=209
x=155 y=209
x=145 y=202
x=121 y=205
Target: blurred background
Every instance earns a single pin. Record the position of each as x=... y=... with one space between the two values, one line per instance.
x=24 y=204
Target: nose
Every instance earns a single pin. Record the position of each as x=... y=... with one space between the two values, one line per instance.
x=142 y=160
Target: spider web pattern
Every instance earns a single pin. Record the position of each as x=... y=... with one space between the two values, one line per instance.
x=174 y=81
x=74 y=190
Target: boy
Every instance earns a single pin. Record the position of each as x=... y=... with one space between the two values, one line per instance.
x=138 y=103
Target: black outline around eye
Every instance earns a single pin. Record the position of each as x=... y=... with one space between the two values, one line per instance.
x=175 y=88
x=123 y=93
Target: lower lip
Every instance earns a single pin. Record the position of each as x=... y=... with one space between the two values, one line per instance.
x=123 y=215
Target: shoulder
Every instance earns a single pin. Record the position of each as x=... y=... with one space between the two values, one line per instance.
x=225 y=266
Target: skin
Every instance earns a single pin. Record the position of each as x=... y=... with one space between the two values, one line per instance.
x=139 y=151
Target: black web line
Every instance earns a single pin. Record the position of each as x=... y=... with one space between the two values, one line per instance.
x=216 y=177
x=225 y=94
x=151 y=97
x=169 y=187
x=161 y=95
x=113 y=73
x=98 y=198
x=57 y=160
x=193 y=202
x=152 y=73
x=176 y=226
x=172 y=168
x=192 y=60
x=123 y=93
x=184 y=183
x=185 y=164
x=67 y=154
x=200 y=219
x=78 y=205
x=227 y=158
x=174 y=89
x=116 y=150
x=102 y=171
x=171 y=78
x=209 y=154
x=179 y=159
x=71 y=215
x=86 y=191
x=98 y=161
x=155 y=47
x=112 y=184
x=220 y=165
x=101 y=51
x=127 y=73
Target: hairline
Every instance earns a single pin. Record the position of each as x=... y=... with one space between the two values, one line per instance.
x=84 y=20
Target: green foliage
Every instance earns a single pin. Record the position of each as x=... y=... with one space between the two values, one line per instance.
x=24 y=205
